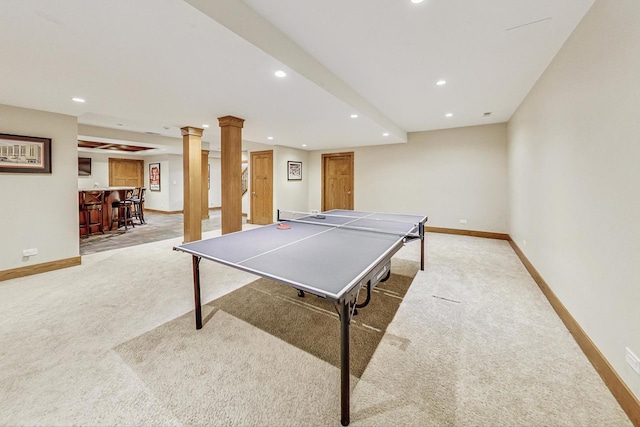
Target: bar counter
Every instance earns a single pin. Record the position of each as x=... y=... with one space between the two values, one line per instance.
x=111 y=194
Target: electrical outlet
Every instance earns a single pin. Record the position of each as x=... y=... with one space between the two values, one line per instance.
x=632 y=360
x=30 y=252
x=463 y=221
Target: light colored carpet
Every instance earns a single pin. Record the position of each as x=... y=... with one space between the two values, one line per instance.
x=473 y=343
x=312 y=324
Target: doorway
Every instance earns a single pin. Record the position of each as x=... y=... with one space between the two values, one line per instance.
x=337 y=181
x=262 y=187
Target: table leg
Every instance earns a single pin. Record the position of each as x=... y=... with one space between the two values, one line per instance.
x=421 y=230
x=344 y=364
x=422 y=253
x=196 y=290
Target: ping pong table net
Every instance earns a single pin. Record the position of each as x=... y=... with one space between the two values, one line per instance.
x=369 y=221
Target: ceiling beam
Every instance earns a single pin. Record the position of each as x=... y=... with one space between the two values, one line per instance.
x=251 y=26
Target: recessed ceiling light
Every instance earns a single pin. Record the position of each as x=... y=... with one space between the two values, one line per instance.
x=354 y=116
x=441 y=82
x=449 y=114
x=77 y=99
x=304 y=145
x=205 y=126
x=416 y=1
x=385 y=134
x=269 y=137
x=280 y=73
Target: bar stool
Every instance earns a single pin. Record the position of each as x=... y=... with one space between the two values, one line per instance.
x=93 y=201
x=82 y=216
x=138 y=199
x=121 y=214
x=133 y=196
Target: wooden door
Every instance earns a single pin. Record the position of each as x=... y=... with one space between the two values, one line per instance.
x=262 y=187
x=337 y=181
x=126 y=173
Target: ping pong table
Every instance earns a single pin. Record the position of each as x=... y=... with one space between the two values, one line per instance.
x=332 y=254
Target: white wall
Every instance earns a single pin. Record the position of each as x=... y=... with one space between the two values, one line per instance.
x=216 y=179
x=174 y=182
x=289 y=195
x=40 y=210
x=447 y=175
x=169 y=198
x=574 y=174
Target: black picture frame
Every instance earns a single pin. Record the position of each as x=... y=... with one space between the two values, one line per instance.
x=294 y=171
x=24 y=154
x=84 y=166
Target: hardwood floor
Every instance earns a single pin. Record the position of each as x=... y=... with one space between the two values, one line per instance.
x=158 y=226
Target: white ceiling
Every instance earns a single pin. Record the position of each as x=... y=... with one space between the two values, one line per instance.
x=158 y=65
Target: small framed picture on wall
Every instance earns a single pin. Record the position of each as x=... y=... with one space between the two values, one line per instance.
x=294 y=170
x=154 y=176
x=25 y=154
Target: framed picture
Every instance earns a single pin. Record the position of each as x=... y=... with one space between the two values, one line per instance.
x=294 y=170
x=154 y=176
x=84 y=166
x=25 y=154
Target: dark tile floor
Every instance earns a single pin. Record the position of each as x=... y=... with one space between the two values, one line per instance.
x=158 y=226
